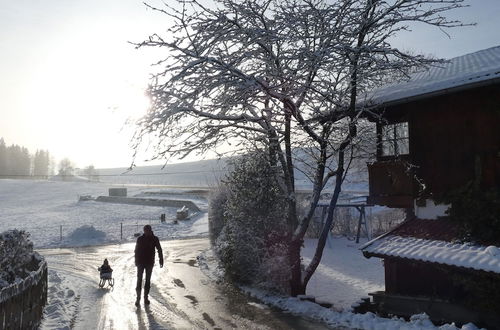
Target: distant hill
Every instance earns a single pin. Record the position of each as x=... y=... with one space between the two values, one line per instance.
x=207 y=173
x=203 y=173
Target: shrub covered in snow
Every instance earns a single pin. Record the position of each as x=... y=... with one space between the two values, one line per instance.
x=218 y=198
x=250 y=245
x=16 y=257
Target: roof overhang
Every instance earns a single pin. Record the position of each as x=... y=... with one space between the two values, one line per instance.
x=477 y=84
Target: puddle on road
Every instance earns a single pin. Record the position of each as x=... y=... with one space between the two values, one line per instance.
x=238 y=303
x=179 y=283
x=193 y=299
x=207 y=318
x=213 y=305
x=190 y=262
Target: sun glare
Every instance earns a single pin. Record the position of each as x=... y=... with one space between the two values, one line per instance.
x=80 y=96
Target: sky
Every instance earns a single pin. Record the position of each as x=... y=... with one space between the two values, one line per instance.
x=70 y=79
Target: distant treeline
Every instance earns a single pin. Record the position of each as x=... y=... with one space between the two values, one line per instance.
x=16 y=161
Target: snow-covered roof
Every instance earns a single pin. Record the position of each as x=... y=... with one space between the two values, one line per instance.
x=467 y=71
x=478 y=257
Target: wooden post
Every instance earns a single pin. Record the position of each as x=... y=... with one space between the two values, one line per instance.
x=367 y=228
x=121 y=230
x=360 y=221
x=60 y=233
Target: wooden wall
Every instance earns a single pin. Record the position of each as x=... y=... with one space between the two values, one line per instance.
x=454 y=138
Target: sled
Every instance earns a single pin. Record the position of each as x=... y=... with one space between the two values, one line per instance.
x=106 y=277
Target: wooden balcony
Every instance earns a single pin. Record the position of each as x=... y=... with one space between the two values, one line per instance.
x=391 y=184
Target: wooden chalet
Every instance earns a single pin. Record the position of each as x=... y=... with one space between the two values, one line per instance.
x=439 y=131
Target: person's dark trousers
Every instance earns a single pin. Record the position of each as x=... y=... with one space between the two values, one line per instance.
x=147 y=285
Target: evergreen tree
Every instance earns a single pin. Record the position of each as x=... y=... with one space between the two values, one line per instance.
x=16 y=161
x=3 y=157
x=41 y=162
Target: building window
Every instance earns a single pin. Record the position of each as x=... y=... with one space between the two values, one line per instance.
x=395 y=139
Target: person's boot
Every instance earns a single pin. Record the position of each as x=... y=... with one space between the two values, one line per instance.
x=146 y=300
x=138 y=301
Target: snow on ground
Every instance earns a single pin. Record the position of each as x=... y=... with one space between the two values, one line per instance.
x=48 y=209
x=62 y=305
x=344 y=275
x=348 y=319
x=42 y=207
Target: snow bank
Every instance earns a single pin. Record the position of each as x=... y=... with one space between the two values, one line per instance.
x=344 y=275
x=333 y=318
x=62 y=303
x=85 y=235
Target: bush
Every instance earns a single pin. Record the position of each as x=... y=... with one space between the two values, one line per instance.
x=251 y=208
x=218 y=198
x=16 y=256
x=477 y=213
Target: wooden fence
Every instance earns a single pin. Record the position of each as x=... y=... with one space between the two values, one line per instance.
x=21 y=304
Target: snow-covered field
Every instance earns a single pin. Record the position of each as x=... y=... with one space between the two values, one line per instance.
x=49 y=210
x=44 y=207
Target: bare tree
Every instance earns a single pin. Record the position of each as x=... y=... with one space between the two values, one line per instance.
x=284 y=74
x=91 y=173
x=66 y=168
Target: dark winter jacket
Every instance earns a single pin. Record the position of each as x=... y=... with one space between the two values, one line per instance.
x=105 y=269
x=145 y=250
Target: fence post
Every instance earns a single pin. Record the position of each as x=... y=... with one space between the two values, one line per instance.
x=60 y=233
x=121 y=230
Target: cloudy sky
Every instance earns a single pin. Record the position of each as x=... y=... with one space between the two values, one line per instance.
x=69 y=78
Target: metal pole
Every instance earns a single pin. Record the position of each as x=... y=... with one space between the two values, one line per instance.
x=121 y=230
x=60 y=232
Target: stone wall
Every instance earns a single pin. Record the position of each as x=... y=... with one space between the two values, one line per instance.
x=21 y=304
x=150 y=202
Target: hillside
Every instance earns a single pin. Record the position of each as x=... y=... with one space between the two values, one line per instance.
x=207 y=173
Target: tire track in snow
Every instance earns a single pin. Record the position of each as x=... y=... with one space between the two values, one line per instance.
x=70 y=300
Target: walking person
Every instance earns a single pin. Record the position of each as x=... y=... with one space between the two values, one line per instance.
x=145 y=260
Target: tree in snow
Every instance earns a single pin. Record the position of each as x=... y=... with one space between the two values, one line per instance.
x=283 y=74
x=66 y=168
x=251 y=243
x=3 y=157
x=91 y=173
x=41 y=162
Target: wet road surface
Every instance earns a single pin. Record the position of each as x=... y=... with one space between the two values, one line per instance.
x=182 y=296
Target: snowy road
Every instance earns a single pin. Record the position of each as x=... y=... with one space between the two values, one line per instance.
x=182 y=296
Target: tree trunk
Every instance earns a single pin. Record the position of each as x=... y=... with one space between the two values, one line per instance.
x=296 y=285
x=292 y=202
x=331 y=207
x=328 y=223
